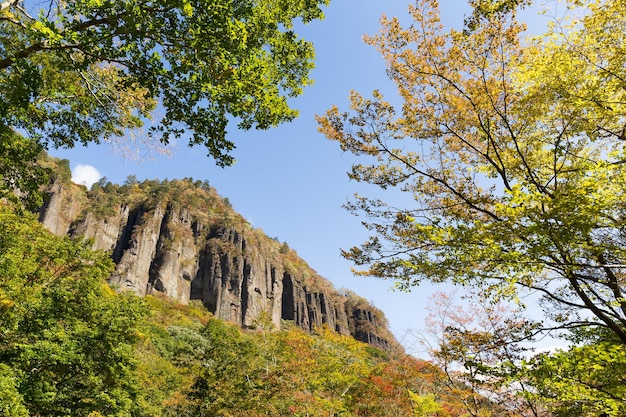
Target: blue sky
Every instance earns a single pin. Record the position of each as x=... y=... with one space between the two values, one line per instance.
x=290 y=181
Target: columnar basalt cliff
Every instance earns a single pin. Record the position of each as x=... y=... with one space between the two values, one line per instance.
x=180 y=238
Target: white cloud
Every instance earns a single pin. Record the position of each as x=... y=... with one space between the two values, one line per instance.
x=85 y=175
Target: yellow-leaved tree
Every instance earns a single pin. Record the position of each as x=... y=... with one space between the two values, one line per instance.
x=512 y=149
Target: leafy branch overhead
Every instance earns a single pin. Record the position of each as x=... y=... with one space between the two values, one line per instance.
x=85 y=71
x=512 y=149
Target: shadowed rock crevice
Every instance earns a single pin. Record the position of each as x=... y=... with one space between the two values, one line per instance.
x=124 y=240
x=245 y=295
x=288 y=307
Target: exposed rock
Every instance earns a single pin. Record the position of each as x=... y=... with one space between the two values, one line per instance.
x=363 y=324
x=235 y=281
x=63 y=205
x=208 y=253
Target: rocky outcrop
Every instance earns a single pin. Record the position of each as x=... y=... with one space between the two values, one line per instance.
x=310 y=308
x=208 y=253
x=235 y=280
x=62 y=205
x=363 y=325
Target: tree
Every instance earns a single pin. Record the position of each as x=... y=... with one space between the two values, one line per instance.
x=21 y=174
x=396 y=387
x=228 y=380
x=483 y=9
x=66 y=339
x=425 y=405
x=482 y=348
x=586 y=380
x=512 y=155
x=85 y=71
x=11 y=402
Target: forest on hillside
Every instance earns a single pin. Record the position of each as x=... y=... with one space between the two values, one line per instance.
x=510 y=149
x=71 y=346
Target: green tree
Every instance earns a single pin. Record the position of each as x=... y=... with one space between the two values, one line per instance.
x=513 y=156
x=66 y=339
x=21 y=175
x=227 y=382
x=586 y=380
x=84 y=71
x=11 y=401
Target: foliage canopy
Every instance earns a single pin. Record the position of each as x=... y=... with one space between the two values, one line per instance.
x=66 y=339
x=85 y=71
x=512 y=153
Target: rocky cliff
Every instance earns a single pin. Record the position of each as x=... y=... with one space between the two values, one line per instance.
x=180 y=238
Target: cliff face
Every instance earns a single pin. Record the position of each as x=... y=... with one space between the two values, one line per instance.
x=181 y=239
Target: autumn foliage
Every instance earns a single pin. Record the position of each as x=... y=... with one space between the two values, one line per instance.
x=508 y=151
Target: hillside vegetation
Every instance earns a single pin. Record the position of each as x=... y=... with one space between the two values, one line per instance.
x=70 y=346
